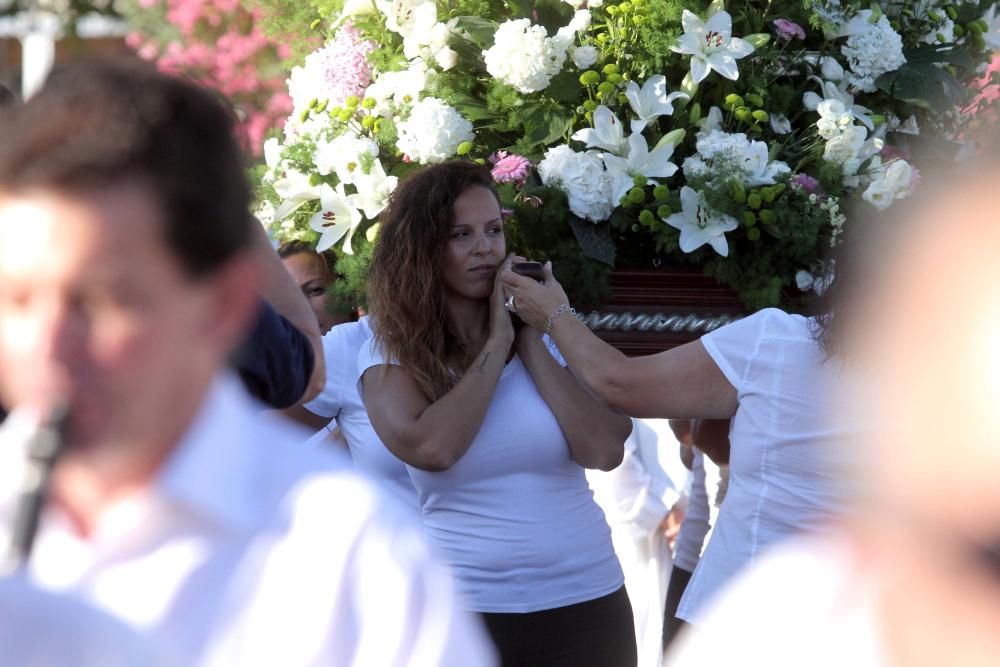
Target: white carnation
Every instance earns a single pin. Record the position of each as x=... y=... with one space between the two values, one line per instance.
x=433 y=131
x=524 y=57
x=582 y=177
x=872 y=52
x=584 y=56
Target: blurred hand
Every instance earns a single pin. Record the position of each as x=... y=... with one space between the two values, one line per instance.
x=671 y=524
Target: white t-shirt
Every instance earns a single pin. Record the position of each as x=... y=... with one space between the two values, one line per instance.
x=809 y=601
x=341 y=401
x=787 y=459
x=514 y=517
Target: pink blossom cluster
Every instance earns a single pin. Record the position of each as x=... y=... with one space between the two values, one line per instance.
x=221 y=46
x=343 y=64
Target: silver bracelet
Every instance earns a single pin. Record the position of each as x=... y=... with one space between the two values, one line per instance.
x=562 y=308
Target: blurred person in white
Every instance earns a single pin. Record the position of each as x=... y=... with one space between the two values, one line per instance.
x=768 y=373
x=126 y=278
x=644 y=502
x=913 y=577
x=42 y=629
x=707 y=490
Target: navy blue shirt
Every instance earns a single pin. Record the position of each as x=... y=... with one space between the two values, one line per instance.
x=275 y=361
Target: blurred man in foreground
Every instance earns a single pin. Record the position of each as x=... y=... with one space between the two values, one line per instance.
x=913 y=577
x=126 y=278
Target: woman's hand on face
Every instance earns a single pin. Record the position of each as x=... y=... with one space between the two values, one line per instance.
x=501 y=326
x=535 y=302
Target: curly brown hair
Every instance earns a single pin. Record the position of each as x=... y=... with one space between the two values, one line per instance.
x=406 y=299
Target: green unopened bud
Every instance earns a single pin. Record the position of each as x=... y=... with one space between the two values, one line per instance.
x=754 y=201
x=321 y=107
x=755 y=100
x=622 y=98
x=636 y=196
x=590 y=78
x=315 y=24
x=757 y=40
x=734 y=100
x=663 y=211
x=661 y=192
x=610 y=68
x=345 y=115
x=959 y=31
x=639 y=181
x=646 y=217
x=625 y=7
x=951 y=12
x=977 y=40
x=368 y=122
x=606 y=88
x=767 y=194
x=464 y=148
x=603 y=37
x=753 y=234
x=615 y=78
x=368 y=103
x=743 y=114
x=760 y=116
x=638 y=19
x=611 y=10
x=314 y=180
x=589 y=105
x=974 y=28
x=352 y=102
x=768 y=217
x=950 y=69
x=694 y=113
x=749 y=219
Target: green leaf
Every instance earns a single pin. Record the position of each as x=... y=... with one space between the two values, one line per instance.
x=520 y=9
x=471 y=107
x=480 y=30
x=545 y=123
x=924 y=85
x=757 y=40
x=594 y=239
x=551 y=14
x=565 y=87
x=933 y=53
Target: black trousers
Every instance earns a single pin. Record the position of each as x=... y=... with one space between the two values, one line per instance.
x=675 y=591
x=597 y=633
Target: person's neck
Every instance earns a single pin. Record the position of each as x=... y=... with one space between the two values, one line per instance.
x=468 y=321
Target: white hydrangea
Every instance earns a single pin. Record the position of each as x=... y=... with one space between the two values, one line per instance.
x=723 y=155
x=872 y=52
x=523 y=56
x=582 y=177
x=433 y=131
x=584 y=56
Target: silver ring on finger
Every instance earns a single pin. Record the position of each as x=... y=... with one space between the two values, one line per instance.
x=509 y=304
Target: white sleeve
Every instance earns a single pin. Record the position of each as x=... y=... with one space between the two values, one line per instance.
x=339 y=366
x=735 y=347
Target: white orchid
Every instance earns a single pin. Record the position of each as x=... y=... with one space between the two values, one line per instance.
x=607 y=132
x=640 y=162
x=294 y=189
x=651 y=101
x=335 y=219
x=711 y=45
x=700 y=225
x=838 y=92
x=374 y=189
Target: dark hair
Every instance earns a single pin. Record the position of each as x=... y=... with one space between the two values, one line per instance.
x=7 y=96
x=405 y=296
x=97 y=125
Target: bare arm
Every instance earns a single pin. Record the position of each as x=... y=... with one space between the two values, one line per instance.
x=299 y=413
x=679 y=383
x=434 y=436
x=279 y=289
x=595 y=433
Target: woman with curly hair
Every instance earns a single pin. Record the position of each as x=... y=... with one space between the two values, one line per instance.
x=495 y=431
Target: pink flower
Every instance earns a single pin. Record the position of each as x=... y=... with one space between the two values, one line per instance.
x=509 y=168
x=894 y=153
x=807 y=183
x=788 y=30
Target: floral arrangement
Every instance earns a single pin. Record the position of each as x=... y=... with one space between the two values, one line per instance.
x=221 y=44
x=734 y=137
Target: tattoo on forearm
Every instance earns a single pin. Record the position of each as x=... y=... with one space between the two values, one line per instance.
x=480 y=367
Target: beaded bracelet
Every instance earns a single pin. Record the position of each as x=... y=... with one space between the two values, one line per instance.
x=562 y=308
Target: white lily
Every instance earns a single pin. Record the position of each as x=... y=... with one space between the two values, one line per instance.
x=651 y=101
x=335 y=218
x=272 y=157
x=992 y=33
x=640 y=162
x=833 y=91
x=711 y=45
x=711 y=122
x=374 y=189
x=401 y=16
x=700 y=225
x=294 y=190
x=607 y=132
x=759 y=169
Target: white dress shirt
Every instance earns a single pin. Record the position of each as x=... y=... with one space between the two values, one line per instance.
x=250 y=549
